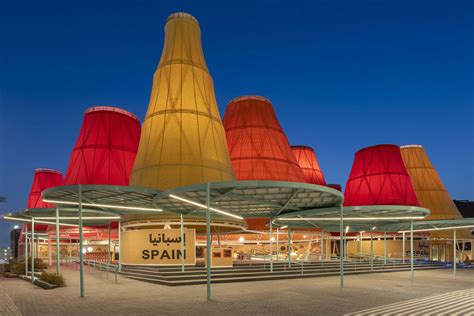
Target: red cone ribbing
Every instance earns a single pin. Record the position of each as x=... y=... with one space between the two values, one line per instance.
x=379 y=177
x=105 y=149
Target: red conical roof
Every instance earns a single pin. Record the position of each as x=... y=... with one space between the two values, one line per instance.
x=308 y=163
x=42 y=180
x=106 y=148
x=258 y=147
x=379 y=177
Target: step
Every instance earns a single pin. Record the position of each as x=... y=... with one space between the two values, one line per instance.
x=256 y=270
x=251 y=273
x=166 y=281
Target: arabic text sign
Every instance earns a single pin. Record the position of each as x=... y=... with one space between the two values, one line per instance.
x=158 y=246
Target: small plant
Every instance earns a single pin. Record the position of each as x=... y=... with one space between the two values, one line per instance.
x=53 y=278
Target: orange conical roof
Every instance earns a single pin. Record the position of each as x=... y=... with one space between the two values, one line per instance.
x=428 y=186
x=306 y=158
x=258 y=147
x=379 y=177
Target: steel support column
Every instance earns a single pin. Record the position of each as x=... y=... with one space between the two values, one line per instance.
x=341 y=250
x=403 y=247
x=26 y=249
x=289 y=246
x=58 y=260
x=108 y=250
x=81 y=254
x=371 y=250
x=454 y=252
x=271 y=246
x=360 y=246
x=208 y=240
x=385 y=248
x=50 y=256
x=182 y=242
x=278 y=238
x=32 y=249
x=322 y=245
x=120 y=245
x=411 y=252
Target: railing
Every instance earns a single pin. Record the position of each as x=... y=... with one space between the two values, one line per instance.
x=101 y=266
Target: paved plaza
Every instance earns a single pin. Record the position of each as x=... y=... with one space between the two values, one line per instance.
x=298 y=296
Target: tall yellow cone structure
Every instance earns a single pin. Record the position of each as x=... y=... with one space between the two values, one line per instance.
x=429 y=188
x=182 y=141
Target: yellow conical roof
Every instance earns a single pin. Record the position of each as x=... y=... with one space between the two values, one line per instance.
x=429 y=188
x=182 y=141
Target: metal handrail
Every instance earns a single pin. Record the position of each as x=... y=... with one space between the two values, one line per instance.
x=102 y=266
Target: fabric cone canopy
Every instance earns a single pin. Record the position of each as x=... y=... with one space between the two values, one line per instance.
x=430 y=190
x=183 y=140
x=105 y=149
x=379 y=177
x=428 y=186
x=306 y=158
x=258 y=146
x=43 y=179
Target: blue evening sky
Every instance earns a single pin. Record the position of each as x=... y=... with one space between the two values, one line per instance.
x=342 y=75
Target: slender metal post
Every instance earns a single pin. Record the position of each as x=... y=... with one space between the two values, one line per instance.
x=403 y=247
x=32 y=249
x=37 y=246
x=278 y=238
x=371 y=250
x=70 y=250
x=26 y=249
x=322 y=245
x=182 y=243
x=289 y=247
x=108 y=251
x=454 y=252
x=341 y=238
x=58 y=260
x=208 y=240
x=120 y=246
x=50 y=256
x=271 y=247
x=385 y=248
x=360 y=244
x=411 y=251
x=81 y=255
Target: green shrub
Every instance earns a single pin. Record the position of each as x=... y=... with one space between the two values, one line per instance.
x=17 y=267
x=53 y=278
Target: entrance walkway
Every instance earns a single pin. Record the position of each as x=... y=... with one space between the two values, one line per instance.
x=297 y=297
x=452 y=303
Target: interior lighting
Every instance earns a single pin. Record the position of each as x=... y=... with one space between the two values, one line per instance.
x=373 y=228
x=283 y=227
x=205 y=207
x=241 y=239
x=89 y=249
x=272 y=239
x=347 y=229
